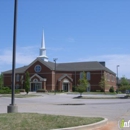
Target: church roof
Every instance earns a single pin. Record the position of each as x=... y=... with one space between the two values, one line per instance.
x=74 y=66
x=82 y=66
x=17 y=70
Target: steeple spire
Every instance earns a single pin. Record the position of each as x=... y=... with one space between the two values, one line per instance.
x=43 y=40
x=43 y=49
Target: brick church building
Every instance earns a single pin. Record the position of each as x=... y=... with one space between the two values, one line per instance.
x=60 y=76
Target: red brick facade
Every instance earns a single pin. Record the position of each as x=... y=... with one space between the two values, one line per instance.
x=64 y=80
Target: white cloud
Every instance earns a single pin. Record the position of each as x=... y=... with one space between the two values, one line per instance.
x=24 y=56
x=112 y=61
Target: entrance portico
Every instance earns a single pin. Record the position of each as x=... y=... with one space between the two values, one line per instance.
x=65 y=83
x=37 y=82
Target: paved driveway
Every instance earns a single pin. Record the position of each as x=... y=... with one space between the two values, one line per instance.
x=113 y=109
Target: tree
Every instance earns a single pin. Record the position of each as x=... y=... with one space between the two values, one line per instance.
x=1 y=81
x=27 y=82
x=103 y=83
x=83 y=83
x=124 y=84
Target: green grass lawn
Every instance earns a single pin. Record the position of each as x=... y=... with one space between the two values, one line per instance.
x=20 y=95
x=95 y=93
x=33 y=121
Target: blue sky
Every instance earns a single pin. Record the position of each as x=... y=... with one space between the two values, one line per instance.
x=75 y=30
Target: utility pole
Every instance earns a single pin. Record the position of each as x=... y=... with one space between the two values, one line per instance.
x=117 y=75
x=12 y=108
x=55 y=72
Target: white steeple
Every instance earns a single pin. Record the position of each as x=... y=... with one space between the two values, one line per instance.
x=43 y=49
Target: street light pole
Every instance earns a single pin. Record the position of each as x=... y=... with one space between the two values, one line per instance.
x=55 y=72
x=117 y=74
x=12 y=108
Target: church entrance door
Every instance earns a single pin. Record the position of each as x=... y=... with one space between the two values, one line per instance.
x=35 y=86
x=65 y=87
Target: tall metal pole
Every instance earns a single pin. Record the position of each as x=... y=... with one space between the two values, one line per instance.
x=12 y=107
x=55 y=73
x=117 y=74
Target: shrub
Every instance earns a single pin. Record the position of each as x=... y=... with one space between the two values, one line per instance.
x=98 y=90
x=17 y=91
x=117 y=90
x=111 y=89
x=21 y=90
x=102 y=90
x=62 y=90
x=41 y=90
x=73 y=88
x=5 y=90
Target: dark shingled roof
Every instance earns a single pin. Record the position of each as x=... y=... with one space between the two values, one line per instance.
x=74 y=66
x=17 y=70
x=82 y=66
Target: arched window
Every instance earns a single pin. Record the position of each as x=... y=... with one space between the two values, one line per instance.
x=88 y=87
x=88 y=76
x=17 y=86
x=81 y=75
x=35 y=80
x=17 y=77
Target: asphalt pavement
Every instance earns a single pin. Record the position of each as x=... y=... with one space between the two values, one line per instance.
x=63 y=104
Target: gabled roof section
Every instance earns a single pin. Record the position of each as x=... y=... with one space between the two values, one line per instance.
x=38 y=76
x=48 y=64
x=17 y=70
x=63 y=76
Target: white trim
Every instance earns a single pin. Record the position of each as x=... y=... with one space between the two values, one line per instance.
x=40 y=60
x=66 y=81
x=41 y=79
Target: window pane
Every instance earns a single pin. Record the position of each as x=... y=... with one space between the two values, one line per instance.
x=88 y=76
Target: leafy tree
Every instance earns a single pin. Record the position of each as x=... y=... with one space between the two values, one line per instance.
x=27 y=82
x=111 y=89
x=1 y=81
x=103 y=83
x=83 y=83
x=124 y=85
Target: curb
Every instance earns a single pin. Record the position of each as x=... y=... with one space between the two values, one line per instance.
x=85 y=127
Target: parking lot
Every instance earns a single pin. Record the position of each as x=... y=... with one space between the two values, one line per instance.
x=112 y=109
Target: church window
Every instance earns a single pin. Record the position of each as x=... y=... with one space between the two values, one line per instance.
x=88 y=76
x=37 y=68
x=81 y=75
x=17 y=77
x=17 y=86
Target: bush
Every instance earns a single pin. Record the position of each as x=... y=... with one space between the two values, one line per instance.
x=5 y=90
x=98 y=90
x=117 y=90
x=124 y=88
x=41 y=90
x=62 y=91
x=73 y=88
x=17 y=91
x=21 y=90
x=102 y=90
x=111 y=89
